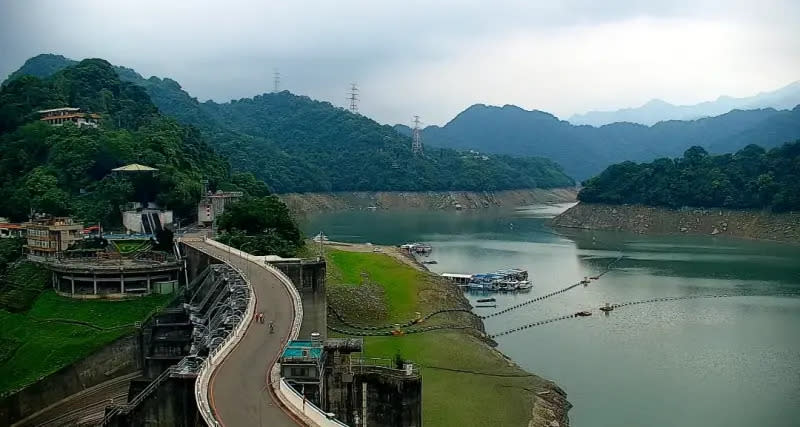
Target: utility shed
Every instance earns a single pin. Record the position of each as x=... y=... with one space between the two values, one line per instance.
x=302 y=366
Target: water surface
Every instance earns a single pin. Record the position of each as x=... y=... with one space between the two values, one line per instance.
x=697 y=362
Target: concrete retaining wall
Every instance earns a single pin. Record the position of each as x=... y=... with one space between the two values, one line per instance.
x=305 y=408
x=119 y=358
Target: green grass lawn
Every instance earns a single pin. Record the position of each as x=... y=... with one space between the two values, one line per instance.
x=130 y=246
x=31 y=349
x=449 y=398
x=399 y=281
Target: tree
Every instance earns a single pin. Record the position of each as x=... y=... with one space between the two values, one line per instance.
x=750 y=178
x=260 y=226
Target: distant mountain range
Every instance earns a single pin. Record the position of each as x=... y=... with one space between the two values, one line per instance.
x=657 y=110
x=297 y=144
x=584 y=151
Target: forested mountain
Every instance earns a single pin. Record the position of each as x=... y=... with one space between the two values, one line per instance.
x=750 y=178
x=584 y=151
x=297 y=144
x=657 y=110
x=66 y=169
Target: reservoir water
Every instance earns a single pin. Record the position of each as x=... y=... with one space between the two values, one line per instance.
x=695 y=362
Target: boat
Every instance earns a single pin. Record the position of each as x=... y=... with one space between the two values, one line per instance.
x=433 y=261
x=506 y=285
x=508 y=280
x=417 y=248
x=607 y=308
x=486 y=300
x=485 y=281
x=486 y=306
x=321 y=237
x=584 y=313
x=524 y=285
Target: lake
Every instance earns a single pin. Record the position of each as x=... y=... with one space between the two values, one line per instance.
x=731 y=361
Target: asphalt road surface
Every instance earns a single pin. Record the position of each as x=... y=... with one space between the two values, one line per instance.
x=240 y=394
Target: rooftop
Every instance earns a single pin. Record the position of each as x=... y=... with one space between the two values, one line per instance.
x=294 y=350
x=53 y=110
x=134 y=167
x=457 y=275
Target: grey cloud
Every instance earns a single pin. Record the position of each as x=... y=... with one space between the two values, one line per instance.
x=225 y=50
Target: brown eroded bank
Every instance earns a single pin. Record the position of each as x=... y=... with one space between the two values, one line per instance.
x=303 y=203
x=749 y=224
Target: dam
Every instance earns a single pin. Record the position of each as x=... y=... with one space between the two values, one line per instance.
x=206 y=361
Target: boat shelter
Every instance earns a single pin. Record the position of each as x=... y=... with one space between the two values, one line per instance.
x=458 y=278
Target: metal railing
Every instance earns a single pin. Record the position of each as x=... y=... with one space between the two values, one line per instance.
x=139 y=398
x=221 y=351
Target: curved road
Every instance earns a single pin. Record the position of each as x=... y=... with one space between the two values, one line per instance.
x=239 y=393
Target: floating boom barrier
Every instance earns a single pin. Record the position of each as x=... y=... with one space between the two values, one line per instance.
x=552 y=294
x=627 y=304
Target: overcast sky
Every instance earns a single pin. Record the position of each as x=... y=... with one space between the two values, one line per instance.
x=429 y=58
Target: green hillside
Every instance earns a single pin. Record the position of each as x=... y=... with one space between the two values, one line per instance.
x=585 y=151
x=66 y=169
x=750 y=178
x=297 y=144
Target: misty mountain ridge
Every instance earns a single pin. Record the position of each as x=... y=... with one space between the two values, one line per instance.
x=236 y=127
x=657 y=110
x=585 y=150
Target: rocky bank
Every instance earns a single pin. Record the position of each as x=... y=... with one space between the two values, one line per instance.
x=304 y=203
x=750 y=224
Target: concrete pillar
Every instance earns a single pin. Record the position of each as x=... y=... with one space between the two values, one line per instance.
x=72 y=284
x=148 y=283
x=94 y=282
x=121 y=282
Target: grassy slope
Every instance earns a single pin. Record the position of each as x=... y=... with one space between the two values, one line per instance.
x=31 y=349
x=449 y=398
x=398 y=281
x=21 y=286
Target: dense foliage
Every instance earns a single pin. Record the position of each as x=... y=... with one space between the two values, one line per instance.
x=297 y=144
x=10 y=251
x=750 y=178
x=585 y=151
x=67 y=170
x=260 y=226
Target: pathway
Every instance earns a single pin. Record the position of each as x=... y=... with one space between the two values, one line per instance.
x=239 y=392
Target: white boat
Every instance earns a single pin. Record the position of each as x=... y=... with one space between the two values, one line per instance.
x=321 y=237
x=524 y=285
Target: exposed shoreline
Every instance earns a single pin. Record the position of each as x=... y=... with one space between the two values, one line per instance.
x=746 y=224
x=549 y=405
x=307 y=203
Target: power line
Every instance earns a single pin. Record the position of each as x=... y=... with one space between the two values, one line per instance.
x=353 y=98
x=416 y=142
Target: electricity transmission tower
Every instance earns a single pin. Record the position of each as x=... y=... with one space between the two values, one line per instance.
x=276 y=80
x=353 y=98
x=416 y=142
